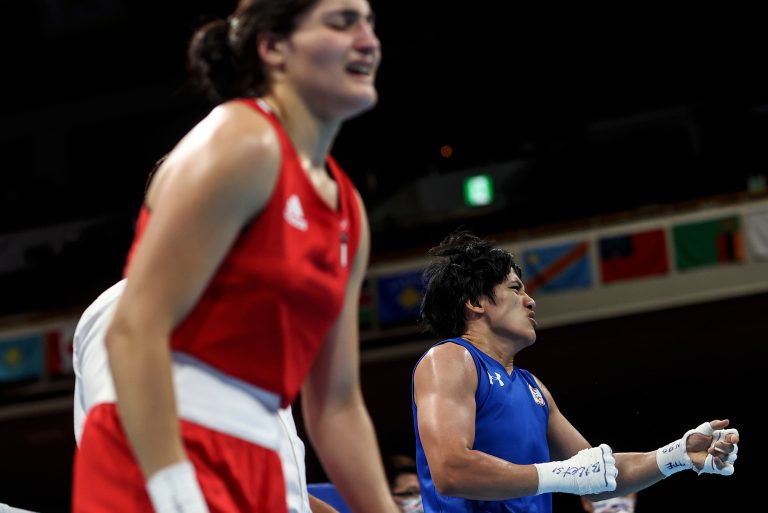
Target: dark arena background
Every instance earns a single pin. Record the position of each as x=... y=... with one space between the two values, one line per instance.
x=539 y=126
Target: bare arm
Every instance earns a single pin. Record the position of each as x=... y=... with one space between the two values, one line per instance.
x=336 y=418
x=208 y=189
x=563 y=438
x=641 y=470
x=444 y=386
x=637 y=470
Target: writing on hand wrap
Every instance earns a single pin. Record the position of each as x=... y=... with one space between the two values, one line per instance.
x=580 y=471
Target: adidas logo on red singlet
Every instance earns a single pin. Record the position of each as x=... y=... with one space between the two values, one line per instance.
x=294 y=214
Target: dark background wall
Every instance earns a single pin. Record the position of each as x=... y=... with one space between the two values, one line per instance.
x=611 y=106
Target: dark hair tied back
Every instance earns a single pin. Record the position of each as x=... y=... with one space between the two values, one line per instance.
x=223 y=56
x=211 y=61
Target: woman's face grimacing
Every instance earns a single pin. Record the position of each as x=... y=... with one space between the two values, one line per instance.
x=332 y=57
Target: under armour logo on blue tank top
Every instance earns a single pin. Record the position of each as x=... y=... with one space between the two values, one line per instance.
x=497 y=377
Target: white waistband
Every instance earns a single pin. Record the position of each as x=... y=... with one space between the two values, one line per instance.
x=215 y=400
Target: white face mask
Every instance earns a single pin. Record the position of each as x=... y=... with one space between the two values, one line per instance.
x=412 y=505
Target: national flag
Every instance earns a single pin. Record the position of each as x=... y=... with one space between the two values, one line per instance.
x=557 y=267
x=399 y=297
x=757 y=234
x=59 y=346
x=635 y=255
x=21 y=357
x=706 y=243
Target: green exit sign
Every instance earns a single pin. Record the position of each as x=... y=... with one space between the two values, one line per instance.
x=478 y=190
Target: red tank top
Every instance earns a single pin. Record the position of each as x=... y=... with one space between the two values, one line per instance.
x=274 y=298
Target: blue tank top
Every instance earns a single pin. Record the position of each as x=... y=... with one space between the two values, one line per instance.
x=510 y=423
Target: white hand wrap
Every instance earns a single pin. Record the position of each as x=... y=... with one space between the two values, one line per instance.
x=674 y=457
x=590 y=471
x=174 y=489
x=709 y=464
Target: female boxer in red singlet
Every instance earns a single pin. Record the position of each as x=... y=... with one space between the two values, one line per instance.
x=243 y=281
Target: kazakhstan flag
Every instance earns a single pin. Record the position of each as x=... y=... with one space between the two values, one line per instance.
x=21 y=357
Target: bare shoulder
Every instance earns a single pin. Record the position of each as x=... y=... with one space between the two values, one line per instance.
x=447 y=358
x=237 y=131
x=233 y=153
x=446 y=371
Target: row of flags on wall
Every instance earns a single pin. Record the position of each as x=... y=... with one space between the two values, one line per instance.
x=395 y=299
x=565 y=266
x=642 y=254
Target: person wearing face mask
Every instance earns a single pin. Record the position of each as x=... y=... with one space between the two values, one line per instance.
x=404 y=482
x=623 y=504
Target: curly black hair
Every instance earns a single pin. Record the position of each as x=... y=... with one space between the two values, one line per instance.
x=464 y=267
